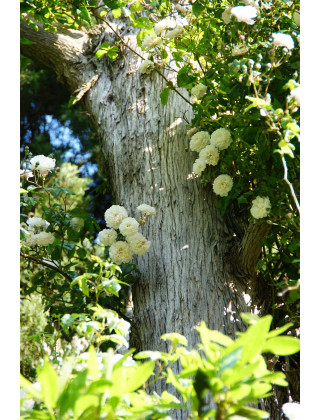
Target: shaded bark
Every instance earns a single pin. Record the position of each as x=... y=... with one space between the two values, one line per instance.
x=200 y=264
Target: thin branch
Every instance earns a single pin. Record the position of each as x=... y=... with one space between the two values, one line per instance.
x=46 y=264
x=285 y=177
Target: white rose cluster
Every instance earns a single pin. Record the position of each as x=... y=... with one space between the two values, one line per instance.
x=146 y=67
x=199 y=91
x=244 y=14
x=42 y=164
x=131 y=242
x=199 y=141
x=208 y=148
x=283 y=40
x=221 y=138
x=222 y=185
x=150 y=41
x=36 y=234
x=260 y=207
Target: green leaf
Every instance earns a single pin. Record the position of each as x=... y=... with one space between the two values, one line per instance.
x=164 y=95
x=27 y=385
x=93 y=366
x=126 y=380
x=136 y=7
x=280 y=330
x=197 y=9
x=282 y=346
x=26 y=41
x=116 y=13
x=101 y=53
x=239 y=392
x=176 y=339
x=48 y=379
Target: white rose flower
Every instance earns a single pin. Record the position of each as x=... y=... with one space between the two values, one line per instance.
x=37 y=223
x=129 y=226
x=181 y=9
x=46 y=164
x=120 y=252
x=44 y=238
x=192 y=131
x=25 y=173
x=30 y=240
x=222 y=185
x=114 y=216
x=138 y=244
x=174 y=33
x=210 y=155
x=199 y=90
x=221 y=138
x=239 y=50
x=199 y=166
x=107 y=236
x=295 y=94
x=244 y=14
x=260 y=207
x=147 y=210
x=296 y=18
x=150 y=41
x=146 y=67
x=199 y=141
x=77 y=222
x=283 y=40
x=163 y=25
x=226 y=15
x=292 y=411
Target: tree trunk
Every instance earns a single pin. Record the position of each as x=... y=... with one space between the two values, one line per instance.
x=200 y=264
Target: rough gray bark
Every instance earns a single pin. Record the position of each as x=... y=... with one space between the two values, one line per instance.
x=200 y=264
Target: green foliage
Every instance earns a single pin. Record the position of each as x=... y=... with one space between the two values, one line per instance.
x=232 y=374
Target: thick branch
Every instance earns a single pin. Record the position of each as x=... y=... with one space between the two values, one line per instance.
x=65 y=51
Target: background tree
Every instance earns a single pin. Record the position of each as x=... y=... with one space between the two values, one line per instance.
x=202 y=262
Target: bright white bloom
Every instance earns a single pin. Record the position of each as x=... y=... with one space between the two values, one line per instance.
x=27 y=404
x=239 y=50
x=163 y=25
x=260 y=207
x=147 y=66
x=25 y=173
x=296 y=18
x=174 y=33
x=181 y=9
x=199 y=141
x=226 y=15
x=114 y=216
x=37 y=223
x=129 y=226
x=44 y=238
x=199 y=91
x=30 y=240
x=283 y=40
x=199 y=166
x=146 y=210
x=221 y=138
x=292 y=411
x=295 y=93
x=138 y=244
x=150 y=41
x=210 y=154
x=77 y=222
x=120 y=252
x=107 y=236
x=244 y=14
x=46 y=164
x=222 y=185
x=192 y=131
